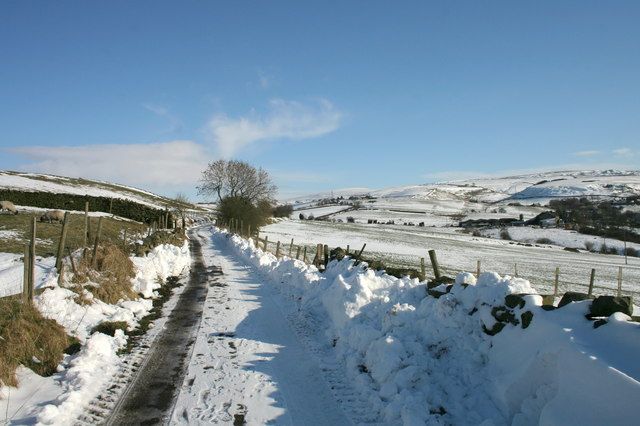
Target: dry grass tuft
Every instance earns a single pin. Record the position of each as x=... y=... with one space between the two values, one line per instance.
x=27 y=338
x=113 y=273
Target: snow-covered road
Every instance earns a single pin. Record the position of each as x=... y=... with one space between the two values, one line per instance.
x=249 y=363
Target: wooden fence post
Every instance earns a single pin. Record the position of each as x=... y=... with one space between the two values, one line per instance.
x=325 y=251
x=478 y=269
x=423 y=270
x=591 y=280
x=266 y=241
x=619 y=281
x=556 y=282
x=298 y=253
x=94 y=257
x=434 y=264
x=61 y=242
x=359 y=254
x=347 y=249
x=27 y=268
x=318 y=256
x=73 y=262
x=515 y=270
x=291 y=247
x=32 y=259
x=304 y=256
x=86 y=224
x=61 y=275
x=278 y=250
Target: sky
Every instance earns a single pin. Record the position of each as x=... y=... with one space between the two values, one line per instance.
x=323 y=95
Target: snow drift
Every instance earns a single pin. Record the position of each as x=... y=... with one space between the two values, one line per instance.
x=426 y=360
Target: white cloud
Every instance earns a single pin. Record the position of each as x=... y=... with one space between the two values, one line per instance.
x=591 y=153
x=623 y=152
x=166 y=164
x=284 y=120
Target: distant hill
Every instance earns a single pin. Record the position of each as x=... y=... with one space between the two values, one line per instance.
x=527 y=188
x=33 y=182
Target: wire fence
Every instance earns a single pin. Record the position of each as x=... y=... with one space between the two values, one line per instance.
x=546 y=277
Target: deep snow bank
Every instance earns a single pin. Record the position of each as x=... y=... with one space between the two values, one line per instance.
x=421 y=359
x=60 y=304
x=61 y=398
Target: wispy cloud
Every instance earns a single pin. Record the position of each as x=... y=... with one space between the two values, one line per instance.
x=264 y=80
x=175 y=123
x=166 y=164
x=284 y=120
x=623 y=152
x=591 y=153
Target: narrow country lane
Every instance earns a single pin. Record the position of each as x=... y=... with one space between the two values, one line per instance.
x=247 y=364
x=150 y=397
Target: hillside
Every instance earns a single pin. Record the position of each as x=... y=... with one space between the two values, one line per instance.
x=447 y=203
x=33 y=182
x=536 y=187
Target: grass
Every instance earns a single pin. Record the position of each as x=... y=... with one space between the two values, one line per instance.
x=113 y=273
x=48 y=234
x=27 y=338
x=110 y=327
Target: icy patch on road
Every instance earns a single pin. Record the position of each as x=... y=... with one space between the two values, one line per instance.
x=425 y=360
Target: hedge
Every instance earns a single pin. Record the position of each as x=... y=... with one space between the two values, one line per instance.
x=49 y=200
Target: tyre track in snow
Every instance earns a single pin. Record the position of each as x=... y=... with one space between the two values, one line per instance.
x=151 y=395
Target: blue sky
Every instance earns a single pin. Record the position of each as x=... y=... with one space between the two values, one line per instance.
x=324 y=95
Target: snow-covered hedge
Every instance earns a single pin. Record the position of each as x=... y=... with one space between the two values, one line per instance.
x=426 y=360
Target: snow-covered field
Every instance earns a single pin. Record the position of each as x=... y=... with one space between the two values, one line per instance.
x=560 y=237
x=65 y=185
x=61 y=398
x=389 y=354
x=458 y=252
x=318 y=211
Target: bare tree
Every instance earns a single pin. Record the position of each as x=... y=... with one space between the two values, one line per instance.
x=232 y=178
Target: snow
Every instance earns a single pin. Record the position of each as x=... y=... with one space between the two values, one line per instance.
x=318 y=211
x=424 y=360
x=62 y=185
x=560 y=237
x=90 y=371
x=61 y=398
x=248 y=360
x=162 y=262
x=12 y=273
x=457 y=252
x=78 y=320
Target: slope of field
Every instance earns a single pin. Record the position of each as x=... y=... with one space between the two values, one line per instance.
x=32 y=182
x=446 y=204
